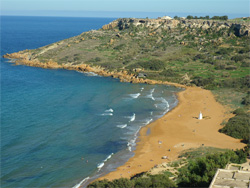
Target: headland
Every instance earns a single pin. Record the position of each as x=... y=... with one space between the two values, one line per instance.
x=211 y=54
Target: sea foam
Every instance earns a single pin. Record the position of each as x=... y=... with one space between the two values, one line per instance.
x=79 y=184
x=107 y=114
x=109 y=110
x=135 y=96
x=122 y=126
x=100 y=165
x=132 y=118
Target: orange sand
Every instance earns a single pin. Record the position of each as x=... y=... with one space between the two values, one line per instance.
x=179 y=130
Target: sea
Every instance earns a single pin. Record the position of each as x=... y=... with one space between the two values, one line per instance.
x=62 y=128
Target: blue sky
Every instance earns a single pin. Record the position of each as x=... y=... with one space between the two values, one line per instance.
x=120 y=8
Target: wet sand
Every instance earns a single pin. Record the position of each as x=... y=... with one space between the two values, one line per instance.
x=179 y=130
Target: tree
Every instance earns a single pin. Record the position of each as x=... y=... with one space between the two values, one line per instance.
x=190 y=17
x=200 y=172
x=224 y=17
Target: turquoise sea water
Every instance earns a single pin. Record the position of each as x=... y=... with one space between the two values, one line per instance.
x=59 y=127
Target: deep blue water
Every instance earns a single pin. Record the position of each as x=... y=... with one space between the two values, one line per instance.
x=57 y=126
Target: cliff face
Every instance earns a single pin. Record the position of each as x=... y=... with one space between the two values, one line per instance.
x=170 y=24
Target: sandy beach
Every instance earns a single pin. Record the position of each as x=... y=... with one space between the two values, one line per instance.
x=179 y=130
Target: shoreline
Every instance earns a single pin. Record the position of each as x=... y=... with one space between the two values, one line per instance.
x=177 y=130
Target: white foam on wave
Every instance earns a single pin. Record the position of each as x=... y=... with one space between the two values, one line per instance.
x=152 y=90
x=109 y=110
x=122 y=126
x=107 y=114
x=163 y=105
x=150 y=96
x=142 y=88
x=109 y=157
x=166 y=111
x=132 y=118
x=132 y=142
x=165 y=101
x=135 y=96
x=79 y=184
x=148 y=121
x=91 y=74
x=100 y=165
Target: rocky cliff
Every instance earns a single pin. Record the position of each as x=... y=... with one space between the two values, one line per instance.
x=170 y=24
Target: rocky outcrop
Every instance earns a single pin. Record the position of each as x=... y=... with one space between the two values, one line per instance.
x=24 y=59
x=125 y=23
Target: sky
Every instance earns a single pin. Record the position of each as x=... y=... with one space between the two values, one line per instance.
x=124 y=8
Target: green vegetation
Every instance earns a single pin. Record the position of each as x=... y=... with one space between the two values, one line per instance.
x=214 y=55
x=238 y=126
x=198 y=172
x=214 y=58
x=159 y=180
x=207 y=17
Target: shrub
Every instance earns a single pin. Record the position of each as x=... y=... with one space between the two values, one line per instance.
x=200 y=56
x=237 y=58
x=152 y=65
x=246 y=100
x=168 y=73
x=123 y=182
x=190 y=17
x=200 y=172
x=103 y=183
x=200 y=81
x=220 y=65
x=244 y=50
x=238 y=126
x=142 y=182
x=239 y=111
x=159 y=180
x=231 y=67
x=223 y=51
x=245 y=64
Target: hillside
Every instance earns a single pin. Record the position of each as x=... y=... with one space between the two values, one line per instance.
x=212 y=54
x=202 y=52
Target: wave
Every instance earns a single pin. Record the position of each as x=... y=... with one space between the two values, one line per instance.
x=79 y=184
x=109 y=110
x=148 y=121
x=165 y=101
x=132 y=142
x=132 y=118
x=166 y=111
x=91 y=74
x=150 y=96
x=100 y=165
x=152 y=90
x=109 y=157
x=164 y=105
x=135 y=96
x=107 y=114
x=122 y=126
x=142 y=88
